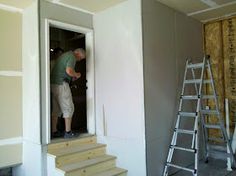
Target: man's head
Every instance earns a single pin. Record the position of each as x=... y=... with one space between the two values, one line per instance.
x=79 y=54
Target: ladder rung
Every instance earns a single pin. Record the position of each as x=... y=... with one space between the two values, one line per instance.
x=212 y=126
x=207 y=81
x=193 y=81
x=208 y=96
x=180 y=167
x=218 y=148
x=216 y=139
x=209 y=112
x=189 y=97
x=220 y=154
x=185 y=131
x=188 y=114
x=183 y=149
x=198 y=65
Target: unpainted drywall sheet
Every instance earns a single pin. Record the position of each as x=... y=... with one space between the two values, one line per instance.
x=169 y=38
x=119 y=84
x=10 y=88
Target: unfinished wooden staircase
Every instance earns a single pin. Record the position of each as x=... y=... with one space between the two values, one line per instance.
x=81 y=157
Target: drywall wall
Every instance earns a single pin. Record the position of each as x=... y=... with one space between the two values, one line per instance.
x=169 y=38
x=11 y=88
x=11 y=38
x=31 y=94
x=119 y=84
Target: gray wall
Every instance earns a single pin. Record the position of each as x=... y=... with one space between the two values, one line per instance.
x=169 y=38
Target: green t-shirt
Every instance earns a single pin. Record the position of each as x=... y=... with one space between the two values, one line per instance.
x=58 y=73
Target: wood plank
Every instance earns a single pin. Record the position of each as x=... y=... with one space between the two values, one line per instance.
x=58 y=144
x=112 y=172
x=75 y=149
x=80 y=156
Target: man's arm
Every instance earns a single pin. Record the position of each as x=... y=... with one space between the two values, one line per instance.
x=71 y=72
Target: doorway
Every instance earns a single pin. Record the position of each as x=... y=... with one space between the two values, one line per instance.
x=69 y=37
x=63 y=41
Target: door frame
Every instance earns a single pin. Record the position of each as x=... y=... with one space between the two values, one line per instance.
x=90 y=93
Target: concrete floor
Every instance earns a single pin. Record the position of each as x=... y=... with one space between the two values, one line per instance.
x=213 y=168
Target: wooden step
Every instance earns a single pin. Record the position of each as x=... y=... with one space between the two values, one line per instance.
x=80 y=156
x=64 y=143
x=112 y=172
x=90 y=166
x=75 y=149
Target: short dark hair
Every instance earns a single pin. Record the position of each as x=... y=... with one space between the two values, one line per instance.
x=57 y=50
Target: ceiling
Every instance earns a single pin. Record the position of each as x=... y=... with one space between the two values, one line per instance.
x=15 y=3
x=203 y=10
x=90 y=6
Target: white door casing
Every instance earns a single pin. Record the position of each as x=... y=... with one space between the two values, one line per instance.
x=89 y=43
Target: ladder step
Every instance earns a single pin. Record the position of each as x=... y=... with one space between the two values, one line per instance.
x=218 y=148
x=180 y=167
x=213 y=112
x=189 y=97
x=183 y=149
x=216 y=139
x=184 y=131
x=198 y=65
x=208 y=96
x=207 y=81
x=212 y=126
x=188 y=114
x=219 y=154
x=193 y=81
x=197 y=81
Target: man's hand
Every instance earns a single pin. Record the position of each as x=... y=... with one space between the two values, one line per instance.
x=71 y=72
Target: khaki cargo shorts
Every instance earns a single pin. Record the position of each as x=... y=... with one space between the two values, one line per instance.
x=62 y=102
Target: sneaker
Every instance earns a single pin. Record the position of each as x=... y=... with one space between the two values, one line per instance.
x=70 y=134
x=57 y=134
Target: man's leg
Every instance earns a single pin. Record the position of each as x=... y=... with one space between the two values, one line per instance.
x=67 y=107
x=54 y=123
x=68 y=121
x=55 y=111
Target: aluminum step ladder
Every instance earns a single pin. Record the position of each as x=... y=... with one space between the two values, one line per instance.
x=194 y=79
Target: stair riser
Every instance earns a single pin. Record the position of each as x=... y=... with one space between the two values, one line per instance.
x=88 y=171
x=80 y=156
x=71 y=143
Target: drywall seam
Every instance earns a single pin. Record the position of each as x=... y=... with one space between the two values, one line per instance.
x=10 y=8
x=219 y=18
x=10 y=73
x=72 y=7
x=212 y=8
x=209 y=3
x=11 y=141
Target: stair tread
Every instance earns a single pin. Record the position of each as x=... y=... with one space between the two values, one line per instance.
x=111 y=172
x=86 y=163
x=64 y=143
x=75 y=149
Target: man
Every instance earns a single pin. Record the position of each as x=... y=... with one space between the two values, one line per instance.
x=61 y=75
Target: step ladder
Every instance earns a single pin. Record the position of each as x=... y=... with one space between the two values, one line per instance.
x=194 y=79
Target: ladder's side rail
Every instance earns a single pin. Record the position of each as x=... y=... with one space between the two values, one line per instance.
x=220 y=116
x=174 y=137
x=197 y=120
x=196 y=90
x=202 y=120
